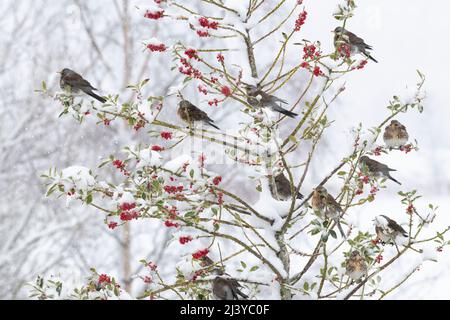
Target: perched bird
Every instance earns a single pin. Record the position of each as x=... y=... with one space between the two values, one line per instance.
x=191 y=114
x=259 y=98
x=377 y=169
x=356 y=266
x=282 y=190
x=355 y=43
x=225 y=288
x=388 y=230
x=326 y=207
x=73 y=83
x=395 y=135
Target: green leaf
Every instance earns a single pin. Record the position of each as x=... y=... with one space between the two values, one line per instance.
x=244 y=265
x=333 y=234
x=306 y=286
x=50 y=191
x=293 y=139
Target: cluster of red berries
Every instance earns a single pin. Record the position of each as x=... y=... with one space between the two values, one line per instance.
x=202 y=89
x=103 y=278
x=173 y=189
x=203 y=34
x=407 y=149
x=185 y=240
x=226 y=91
x=205 y=23
x=310 y=52
x=157 y=47
x=157 y=148
x=344 y=50
x=192 y=54
x=217 y=181
x=113 y=225
x=189 y=70
x=121 y=166
x=410 y=209
x=154 y=15
x=170 y=224
x=129 y=215
x=379 y=258
x=200 y=254
x=167 y=135
x=317 y=71
x=301 y=20
x=214 y=102
x=127 y=212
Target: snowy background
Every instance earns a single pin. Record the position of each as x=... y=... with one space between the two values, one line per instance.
x=103 y=41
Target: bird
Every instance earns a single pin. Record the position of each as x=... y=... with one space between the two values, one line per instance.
x=258 y=98
x=395 y=135
x=376 y=168
x=225 y=288
x=281 y=188
x=326 y=207
x=191 y=114
x=355 y=43
x=73 y=83
x=388 y=230
x=356 y=266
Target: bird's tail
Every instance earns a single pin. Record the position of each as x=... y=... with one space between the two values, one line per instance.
x=243 y=295
x=340 y=229
x=391 y=178
x=96 y=96
x=212 y=125
x=285 y=112
x=370 y=57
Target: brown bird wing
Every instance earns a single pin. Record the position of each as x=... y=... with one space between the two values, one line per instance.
x=395 y=226
x=195 y=114
x=269 y=99
x=76 y=80
x=283 y=185
x=388 y=134
x=403 y=133
x=375 y=166
x=355 y=40
x=331 y=202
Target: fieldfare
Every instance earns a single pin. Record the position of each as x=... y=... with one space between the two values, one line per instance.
x=225 y=288
x=355 y=44
x=73 y=83
x=395 y=135
x=377 y=169
x=326 y=207
x=356 y=266
x=258 y=98
x=388 y=230
x=191 y=114
x=283 y=189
